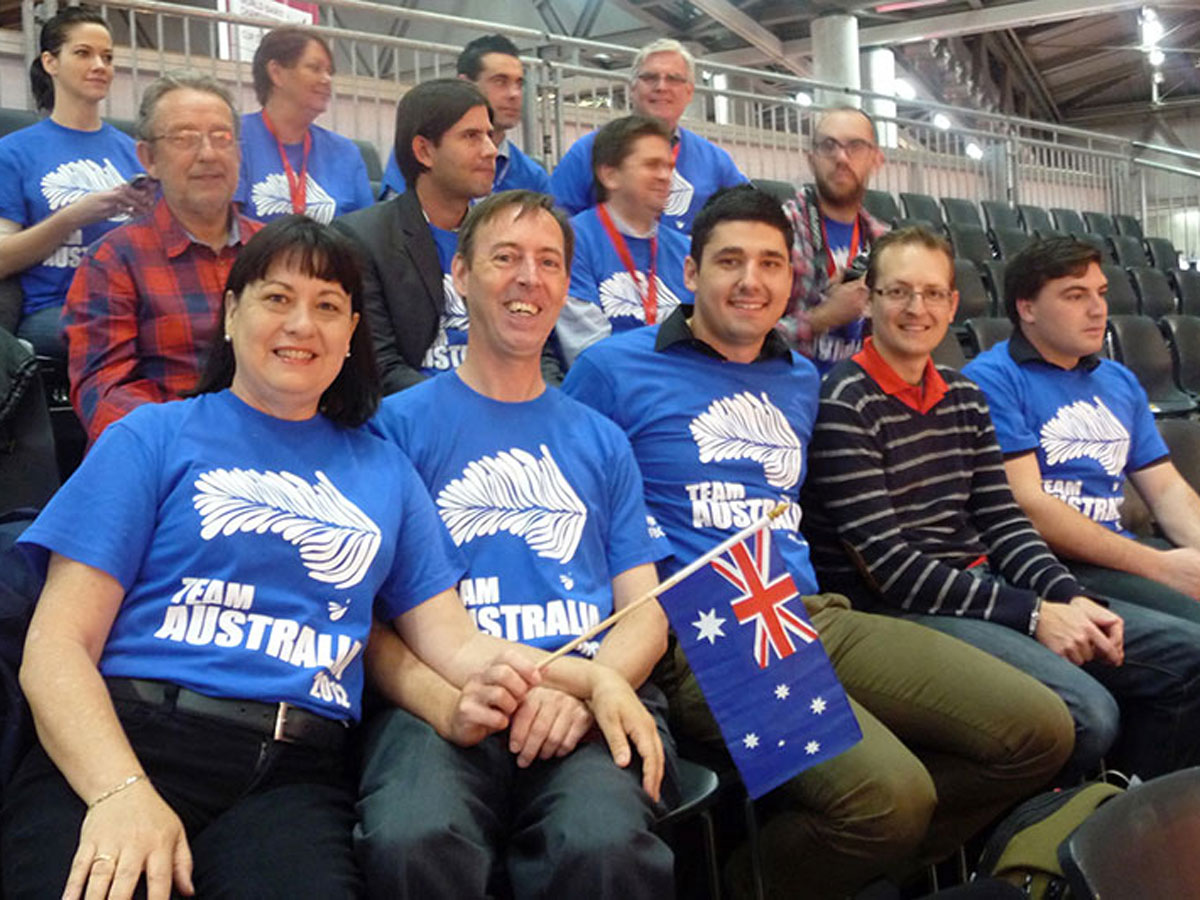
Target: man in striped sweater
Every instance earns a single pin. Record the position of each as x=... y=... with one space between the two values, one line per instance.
x=908 y=508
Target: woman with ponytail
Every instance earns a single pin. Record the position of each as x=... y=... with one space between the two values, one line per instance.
x=64 y=181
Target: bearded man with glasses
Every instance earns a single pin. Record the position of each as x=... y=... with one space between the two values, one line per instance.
x=143 y=306
x=824 y=319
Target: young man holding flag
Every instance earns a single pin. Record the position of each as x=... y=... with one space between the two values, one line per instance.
x=719 y=413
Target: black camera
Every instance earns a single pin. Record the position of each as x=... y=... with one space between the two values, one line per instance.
x=856 y=270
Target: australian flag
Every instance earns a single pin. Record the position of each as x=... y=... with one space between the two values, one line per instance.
x=761 y=666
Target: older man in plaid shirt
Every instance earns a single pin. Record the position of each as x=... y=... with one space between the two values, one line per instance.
x=144 y=305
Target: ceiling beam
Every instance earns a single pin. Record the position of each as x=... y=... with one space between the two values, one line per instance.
x=750 y=31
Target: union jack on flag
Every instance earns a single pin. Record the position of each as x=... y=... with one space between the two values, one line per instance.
x=760 y=664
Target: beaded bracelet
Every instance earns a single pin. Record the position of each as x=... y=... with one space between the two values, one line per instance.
x=128 y=782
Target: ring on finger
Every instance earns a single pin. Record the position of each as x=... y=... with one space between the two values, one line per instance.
x=102 y=857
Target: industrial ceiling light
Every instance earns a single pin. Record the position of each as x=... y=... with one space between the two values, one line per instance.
x=942 y=121
x=903 y=89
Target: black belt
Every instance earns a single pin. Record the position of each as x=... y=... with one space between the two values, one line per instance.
x=279 y=721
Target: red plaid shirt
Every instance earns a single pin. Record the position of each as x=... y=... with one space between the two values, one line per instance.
x=141 y=313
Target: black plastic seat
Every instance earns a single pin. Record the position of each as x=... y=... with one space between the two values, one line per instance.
x=1068 y=220
x=1010 y=241
x=1099 y=242
x=698 y=788
x=1127 y=249
x=882 y=205
x=1155 y=297
x=1129 y=225
x=992 y=271
x=1100 y=223
x=950 y=351
x=1139 y=345
x=783 y=191
x=1186 y=283
x=973 y=298
x=999 y=214
x=28 y=468
x=958 y=211
x=985 y=333
x=923 y=207
x=1122 y=299
x=15 y=119
x=1183 y=334
x=1163 y=254
x=1035 y=218
x=914 y=223
x=1183 y=440
x=970 y=242
x=129 y=126
x=371 y=159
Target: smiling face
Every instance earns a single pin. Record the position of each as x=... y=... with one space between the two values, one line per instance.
x=463 y=162
x=742 y=284
x=662 y=87
x=906 y=329
x=501 y=80
x=1067 y=318
x=307 y=83
x=290 y=334
x=83 y=66
x=515 y=284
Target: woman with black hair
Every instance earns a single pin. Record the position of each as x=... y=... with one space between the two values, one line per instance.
x=64 y=182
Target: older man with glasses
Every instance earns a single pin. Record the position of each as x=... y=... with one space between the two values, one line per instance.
x=824 y=319
x=142 y=309
x=661 y=86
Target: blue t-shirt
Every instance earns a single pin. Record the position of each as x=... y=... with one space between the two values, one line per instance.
x=450 y=344
x=337 y=180
x=514 y=171
x=252 y=550
x=46 y=167
x=719 y=443
x=844 y=341
x=543 y=497
x=1089 y=428
x=701 y=169
x=598 y=276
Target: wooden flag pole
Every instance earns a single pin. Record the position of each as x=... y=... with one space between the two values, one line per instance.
x=666 y=585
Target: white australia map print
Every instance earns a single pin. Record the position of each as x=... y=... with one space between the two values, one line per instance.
x=1083 y=429
x=516 y=492
x=273 y=197
x=337 y=540
x=680 y=198
x=744 y=426
x=621 y=296
x=74 y=180
x=454 y=315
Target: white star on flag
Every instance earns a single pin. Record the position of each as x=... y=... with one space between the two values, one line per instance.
x=782 y=692
x=818 y=705
x=709 y=625
x=750 y=740
x=812 y=748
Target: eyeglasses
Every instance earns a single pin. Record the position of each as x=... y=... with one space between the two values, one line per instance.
x=854 y=148
x=902 y=295
x=187 y=139
x=652 y=79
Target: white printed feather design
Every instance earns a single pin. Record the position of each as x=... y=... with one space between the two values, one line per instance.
x=516 y=492
x=74 y=180
x=336 y=539
x=621 y=296
x=454 y=312
x=681 y=195
x=746 y=427
x=273 y=197
x=1082 y=429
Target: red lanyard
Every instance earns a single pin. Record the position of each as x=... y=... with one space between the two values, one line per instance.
x=297 y=186
x=850 y=257
x=649 y=297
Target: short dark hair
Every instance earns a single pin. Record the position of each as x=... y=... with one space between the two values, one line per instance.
x=615 y=141
x=825 y=113
x=1042 y=261
x=285 y=46
x=54 y=34
x=743 y=203
x=430 y=109
x=526 y=202
x=318 y=251
x=470 y=61
x=914 y=235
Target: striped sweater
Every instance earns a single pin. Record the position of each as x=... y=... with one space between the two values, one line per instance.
x=912 y=511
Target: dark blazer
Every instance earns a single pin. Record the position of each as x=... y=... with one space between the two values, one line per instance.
x=402 y=285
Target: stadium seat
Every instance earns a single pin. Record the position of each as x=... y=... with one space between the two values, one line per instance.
x=28 y=469
x=15 y=119
x=1100 y=223
x=1099 y=242
x=985 y=333
x=1010 y=241
x=950 y=352
x=1122 y=299
x=882 y=205
x=913 y=223
x=1163 y=254
x=970 y=242
x=783 y=191
x=1137 y=342
x=1127 y=250
x=992 y=271
x=129 y=126
x=371 y=158
x=698 y=787
x=1154 y=292
x=1068 y=221
x=923 y=207
x=1000 y=215
x=1186 y=283
x=1128 y=225
x=1035 y=219
x=1183 y=334
x=961 y=212
x=973 y=298
x=1183 y=440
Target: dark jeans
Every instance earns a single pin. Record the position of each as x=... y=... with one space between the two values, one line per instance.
x=1136 y=589
x=44 y=331
x=263 y=819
